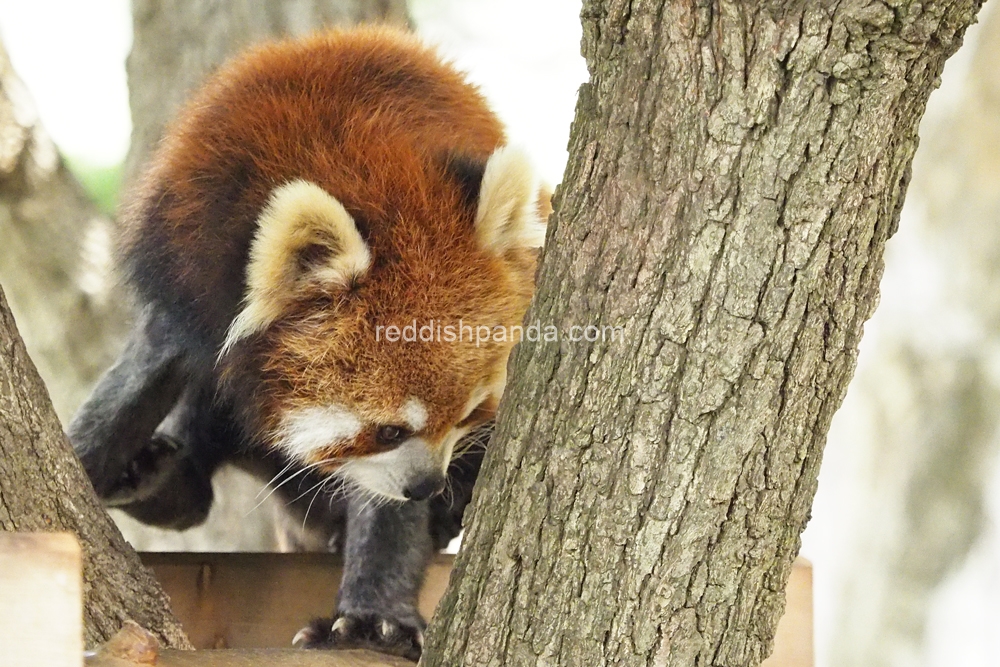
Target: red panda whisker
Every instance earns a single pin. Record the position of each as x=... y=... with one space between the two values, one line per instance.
x=305 y=469
x=319 y=490
x=305 y=493
x=339 y=490
x=479 y=438
x=369 y=497
x=273 y=479
x=271 y=492
x=449 y=491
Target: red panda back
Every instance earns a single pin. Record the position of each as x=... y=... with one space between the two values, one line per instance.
x=370 y=115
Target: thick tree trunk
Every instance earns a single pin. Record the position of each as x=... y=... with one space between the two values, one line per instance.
x=735 y=171
x=43 y=488
x=55 y=260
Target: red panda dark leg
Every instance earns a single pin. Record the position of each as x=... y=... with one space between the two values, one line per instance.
x=169 y=483
x=118 y=419
x=151 y=434
x=165 y=487
x=386 y=553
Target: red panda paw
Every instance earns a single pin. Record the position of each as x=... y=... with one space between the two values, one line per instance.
x=365 y=631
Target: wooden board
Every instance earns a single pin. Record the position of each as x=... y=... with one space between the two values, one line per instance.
x=41 y=598
x=278 y=658
x=260 y=658
x=258 y=600
x=793 y=642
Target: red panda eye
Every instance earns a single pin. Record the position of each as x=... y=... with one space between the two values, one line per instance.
x=390 y=434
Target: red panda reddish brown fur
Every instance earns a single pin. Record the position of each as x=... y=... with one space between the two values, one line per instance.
x=378 y=123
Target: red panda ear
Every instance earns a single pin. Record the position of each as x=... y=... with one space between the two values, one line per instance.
x=508 y=213
x=304 y=235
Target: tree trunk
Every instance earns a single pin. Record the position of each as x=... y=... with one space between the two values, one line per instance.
x=178 y=42
x=55 y=261
x=43 y=488
x=735 y=171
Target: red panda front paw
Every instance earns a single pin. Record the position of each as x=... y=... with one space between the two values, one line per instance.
x=367 y=631
x=146 y=473
x=163 y=486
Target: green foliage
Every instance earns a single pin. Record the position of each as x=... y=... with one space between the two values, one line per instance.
x=102 y=183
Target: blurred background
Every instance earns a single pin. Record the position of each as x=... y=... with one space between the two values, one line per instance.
x=904 y=537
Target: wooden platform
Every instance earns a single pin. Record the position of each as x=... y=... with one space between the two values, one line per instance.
x=260 y=600
x=793 y=642
x=246 y=603
x=258 y=658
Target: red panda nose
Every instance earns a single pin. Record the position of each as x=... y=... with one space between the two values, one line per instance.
x=424 y=488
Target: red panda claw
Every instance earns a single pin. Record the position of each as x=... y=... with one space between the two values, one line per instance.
x=339 y=626
x=303 y=637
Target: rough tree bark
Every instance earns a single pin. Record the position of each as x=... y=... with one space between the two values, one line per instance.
x=55 y=261
x=43 y=488
x=735 y=171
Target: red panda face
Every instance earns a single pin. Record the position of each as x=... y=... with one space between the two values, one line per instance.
x=343 y=392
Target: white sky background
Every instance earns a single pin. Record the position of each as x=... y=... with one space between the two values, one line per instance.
x=71 y=55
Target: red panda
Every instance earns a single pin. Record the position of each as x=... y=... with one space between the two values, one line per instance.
x=330 y=177
x=312 y=192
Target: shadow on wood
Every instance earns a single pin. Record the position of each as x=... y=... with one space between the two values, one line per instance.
x=261 y=658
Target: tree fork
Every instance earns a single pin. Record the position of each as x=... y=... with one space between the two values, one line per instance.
x=735 y=171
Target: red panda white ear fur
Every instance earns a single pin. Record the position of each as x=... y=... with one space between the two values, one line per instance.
x=507 y=217
x=299 y=215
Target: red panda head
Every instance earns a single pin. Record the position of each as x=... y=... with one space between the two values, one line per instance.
x=323 y=289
